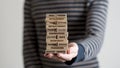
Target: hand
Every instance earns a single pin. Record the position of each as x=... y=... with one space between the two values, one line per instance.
x=72 y=52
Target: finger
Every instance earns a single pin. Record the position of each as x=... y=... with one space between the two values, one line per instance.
x=66 y=57
x=54 y=57
x=70 y=45
x=73 y=49
x=49 y=55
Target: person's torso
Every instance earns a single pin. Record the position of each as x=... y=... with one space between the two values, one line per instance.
x=76 y=11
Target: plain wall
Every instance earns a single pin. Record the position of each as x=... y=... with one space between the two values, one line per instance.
x=11 y=30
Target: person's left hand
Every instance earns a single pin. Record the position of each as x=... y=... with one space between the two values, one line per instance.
x=71 y=53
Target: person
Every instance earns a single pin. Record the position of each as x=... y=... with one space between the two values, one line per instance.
x=86 y=27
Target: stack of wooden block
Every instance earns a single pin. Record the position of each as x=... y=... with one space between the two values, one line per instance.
x=57 y=34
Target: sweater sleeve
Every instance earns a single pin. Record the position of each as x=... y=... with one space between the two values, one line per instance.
x=96 y=22
x=30 y=51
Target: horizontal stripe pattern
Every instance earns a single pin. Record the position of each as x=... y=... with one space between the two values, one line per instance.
x=96 y=21
x=86 y=26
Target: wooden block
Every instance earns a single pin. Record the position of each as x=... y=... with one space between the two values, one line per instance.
x=56 y=47
x=59 y=51
x=55 y=33
x=51 y=30
x=58 y=17
x=56 y=37
x=61 y=29
x=51 y=15
x=50 y=19
x=61 y=36
x=56 y=26
x=51 y=23
x=56 y=40
x=61 y=16
x=61 y=22
x=52 y=44
x=61 y=26
x=56 y=22
x=63 y=43
x=58 y=44
x=51 y=37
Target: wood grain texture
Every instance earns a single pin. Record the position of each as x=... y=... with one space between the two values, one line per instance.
x=56 y=37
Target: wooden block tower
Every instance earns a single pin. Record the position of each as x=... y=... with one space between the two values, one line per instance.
x=57 y=34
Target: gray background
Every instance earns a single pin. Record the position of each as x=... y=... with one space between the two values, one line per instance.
x=11 y=31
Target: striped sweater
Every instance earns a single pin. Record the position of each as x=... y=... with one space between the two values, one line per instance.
x=86 y=27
